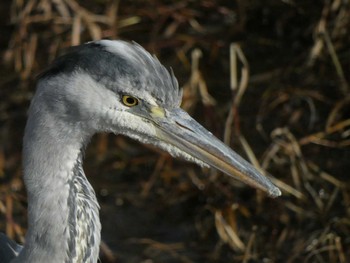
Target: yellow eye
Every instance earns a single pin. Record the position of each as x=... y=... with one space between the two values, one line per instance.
x=130 y=101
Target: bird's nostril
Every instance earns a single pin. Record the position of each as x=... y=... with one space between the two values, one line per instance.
x=183 y=126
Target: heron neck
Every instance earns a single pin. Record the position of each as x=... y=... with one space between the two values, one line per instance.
x=63 y=213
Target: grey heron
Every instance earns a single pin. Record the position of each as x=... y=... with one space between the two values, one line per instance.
x=101 y=86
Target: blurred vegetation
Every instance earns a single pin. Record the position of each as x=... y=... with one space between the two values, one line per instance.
x=271 y=78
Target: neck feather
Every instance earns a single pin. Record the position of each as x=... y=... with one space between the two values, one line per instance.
x=63 y=219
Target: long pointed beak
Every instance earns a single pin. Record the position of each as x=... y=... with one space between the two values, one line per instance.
x=182 y=131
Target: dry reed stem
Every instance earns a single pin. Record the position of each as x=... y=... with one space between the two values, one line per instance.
x=252 y=158
x=149 y=184
x=326 y=176
x=319 y=137
x=197 y=81
x=172 y=248
x=199 y=183
x=227 y=233
x=323 y=39
x=196 y=85
x=9 y=219
x=248 y=250
x=238 y=88
x=76 y=28
x=237 y=53
x=344 y=86
x=107 y=252
x=332 y=117
x=59 y=15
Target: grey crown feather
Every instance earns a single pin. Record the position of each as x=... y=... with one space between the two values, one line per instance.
x=132 y=66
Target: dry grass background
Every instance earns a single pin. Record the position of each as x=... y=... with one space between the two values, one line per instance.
x=271 y=78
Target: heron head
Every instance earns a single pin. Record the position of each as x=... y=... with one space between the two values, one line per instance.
x=119 y=87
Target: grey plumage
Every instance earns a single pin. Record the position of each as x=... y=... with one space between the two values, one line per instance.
x=128 y=67
x=83 y=93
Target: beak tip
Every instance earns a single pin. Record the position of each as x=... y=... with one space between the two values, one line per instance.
x=275 y=192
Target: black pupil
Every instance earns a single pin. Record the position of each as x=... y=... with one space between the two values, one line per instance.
x=130 y=100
